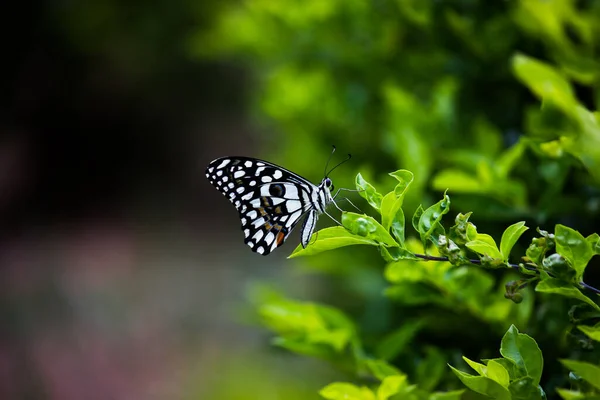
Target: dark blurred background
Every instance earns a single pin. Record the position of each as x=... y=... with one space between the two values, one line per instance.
x=124 y=274
x=120 y=265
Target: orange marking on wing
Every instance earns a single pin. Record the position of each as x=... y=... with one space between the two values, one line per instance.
x=280 y=237
x=278 y=210
x=262 y=211
x=268 y=226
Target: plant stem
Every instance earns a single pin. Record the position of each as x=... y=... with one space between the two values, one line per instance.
x=427 y=257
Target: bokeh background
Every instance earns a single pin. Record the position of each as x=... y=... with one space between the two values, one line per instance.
x=123 y=272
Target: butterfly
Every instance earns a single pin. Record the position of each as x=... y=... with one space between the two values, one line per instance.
x=270 y=199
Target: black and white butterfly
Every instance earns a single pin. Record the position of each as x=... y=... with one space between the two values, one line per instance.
x=270 y=199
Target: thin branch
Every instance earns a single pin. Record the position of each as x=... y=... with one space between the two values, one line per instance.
x=427 y=257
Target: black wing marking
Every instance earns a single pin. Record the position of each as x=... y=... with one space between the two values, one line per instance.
x=270 y=199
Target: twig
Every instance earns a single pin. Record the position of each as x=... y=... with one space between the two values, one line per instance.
x=514 y=266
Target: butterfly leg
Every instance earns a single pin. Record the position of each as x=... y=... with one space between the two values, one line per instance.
x=335 y=220
x=352 y=204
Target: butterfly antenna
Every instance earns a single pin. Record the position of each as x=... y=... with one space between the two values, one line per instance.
x=347 y=158
x=329 y=159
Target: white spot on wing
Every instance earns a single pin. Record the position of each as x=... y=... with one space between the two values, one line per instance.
x=293 y=205
x=252 y=214
x=247 y=196
x=220 y=172
x=291 y=192
x=277 y=174
x=260 y=164
x=260 y=250
x=238 y=174
x=255 y=203
x=270 y=238
x=277 y=200
x=258 y=235
x=231 y=185
x=248 y=164
x=240 y=189
x=266 y=179
x=247 y=232
x=223 y=163
x=252 y=183
x=210 y=170
x=225 y=179
x=259 y=170
x=259 y=222
x=264 y=190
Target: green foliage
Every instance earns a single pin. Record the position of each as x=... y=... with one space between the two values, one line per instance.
x=451 y=282
x=491 y=103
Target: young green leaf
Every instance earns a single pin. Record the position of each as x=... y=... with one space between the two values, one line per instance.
x=346 y=391
x=594 y=241
x=392 y=216
x=545 y=81
x=330 y=239
x=368 y=192
x=483 y=385
x=485 y=245
x=556 y=286
x=367 y=227
x=381 y=369
x=390 y=386
x=524 y=352
x=510 y=237
x=479 y=368
x=417 y=216
x=592 y=331
x=498 y=373
x=588 y=372
x=429 y=225
x=573 y=247
x=453 y=395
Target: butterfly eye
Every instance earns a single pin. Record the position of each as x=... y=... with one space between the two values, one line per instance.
x=328 y=183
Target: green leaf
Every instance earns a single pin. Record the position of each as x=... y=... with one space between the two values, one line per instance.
x=498 y=373
x=367 y=227
x=429 y=226
x=524 y=352
x=392 y=216
x=390 y=386
x=509 y=366
x=556 y=286
x=525 y=389
x=510 y=237
x=452 y=395
x=545 y=82
x=381 y=369
x=346 y=391
x=417 y=216
x=479 y=368
x=368 y=192
x=393 y=344
x=575 y=395
x=330 y=239
x=594 y=241
x=573 y=247
x=592 y=331
x=483 y=385
x=588 y=372
x=485 y=245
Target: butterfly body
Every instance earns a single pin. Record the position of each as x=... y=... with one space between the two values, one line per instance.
x=270 y=200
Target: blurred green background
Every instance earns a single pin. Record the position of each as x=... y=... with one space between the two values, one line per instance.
x=125 y=275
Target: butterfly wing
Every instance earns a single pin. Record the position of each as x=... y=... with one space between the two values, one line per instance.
x=270 y=199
